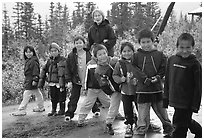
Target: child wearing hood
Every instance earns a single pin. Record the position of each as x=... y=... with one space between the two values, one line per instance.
x=31 y=72
x=183 y=87
x=149 y=89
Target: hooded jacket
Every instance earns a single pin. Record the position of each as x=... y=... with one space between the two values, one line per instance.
x=53 y=71
x=98 y=33
x=71 y=67
x=151 y=63
x=183 y=82
x=31 y=72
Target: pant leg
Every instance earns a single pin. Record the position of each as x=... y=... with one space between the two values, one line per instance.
x=54 y=91
x=143 y=118
x=26 y=97
x=114 y=107
x=195 y=128
x=39 y=98
x=74 y=98
x=161 y=113
x=180 y=121
x=128 y=108
x=103 y=98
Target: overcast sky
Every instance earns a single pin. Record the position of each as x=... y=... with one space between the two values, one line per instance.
x=42 y=7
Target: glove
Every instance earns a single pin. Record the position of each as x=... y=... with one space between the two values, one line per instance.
x=165 y=103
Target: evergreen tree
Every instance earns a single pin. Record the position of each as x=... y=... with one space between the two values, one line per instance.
x=90 y=6
x=77 y=17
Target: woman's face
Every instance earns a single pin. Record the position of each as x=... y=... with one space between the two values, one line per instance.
x=97 y=17
x=28 y=53
x=79 y=44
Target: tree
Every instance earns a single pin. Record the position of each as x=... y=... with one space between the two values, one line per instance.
x=90 y=6
x=78 y=16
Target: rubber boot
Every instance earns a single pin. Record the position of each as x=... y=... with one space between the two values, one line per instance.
x=62 y=109
x=54 y=107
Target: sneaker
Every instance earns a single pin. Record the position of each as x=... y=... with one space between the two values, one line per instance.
x=80 y=123
x=128 y=131
x=38 y=110
x=53 y=113
x=119 y=117
x=154 y=128
x=109 y=129
x=67 y=118
x=96 y=114
x=19 y=113
x=167 y=130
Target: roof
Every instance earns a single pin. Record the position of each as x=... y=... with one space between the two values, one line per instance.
x=197 y=11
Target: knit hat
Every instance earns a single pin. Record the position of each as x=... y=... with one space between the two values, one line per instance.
x=55 y=45
x=99 y=11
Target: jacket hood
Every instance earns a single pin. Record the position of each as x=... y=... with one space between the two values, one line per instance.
x=103 y=23
x=192 y=56
x=143 y=51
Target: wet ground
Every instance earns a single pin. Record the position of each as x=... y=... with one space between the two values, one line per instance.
x=38 y=125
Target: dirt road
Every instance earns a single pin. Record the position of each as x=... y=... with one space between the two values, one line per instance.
x=38 y=125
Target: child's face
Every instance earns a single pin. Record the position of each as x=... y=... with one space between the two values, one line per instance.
x=102 y=56
x=79 y=44
x=185 y=48
x=28 y=53
x=127 y=52
x=54 y=52
x=97 y=17
x=146 y=44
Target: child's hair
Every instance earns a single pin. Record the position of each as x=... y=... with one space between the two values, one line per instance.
x=185 y=36
x=31 y=49
x=97 y=47
x=145 y=33
x=79 y=38
x=98 y=10
x=126 y=43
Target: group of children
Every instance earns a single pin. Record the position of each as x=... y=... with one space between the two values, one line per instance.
x=134 y=78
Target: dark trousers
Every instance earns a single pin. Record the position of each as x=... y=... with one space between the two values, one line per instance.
x=57 y=97
x=128 y=107
x=74 y=98
x=182 y=121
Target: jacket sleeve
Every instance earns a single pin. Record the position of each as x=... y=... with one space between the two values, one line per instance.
x=43 y=74
x=111 y=38
x=61 y=73
x=68 y=77
x=90 y=40
x=162 y=67
x=139 y=74
x=166 y=85
x=196 y=101
x=117 y=74
x=36 y=71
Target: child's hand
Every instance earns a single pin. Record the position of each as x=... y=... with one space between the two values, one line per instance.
x=123 y=79
x=34 y=83
x=105 y=40
x=154 y=79
x=69 y=85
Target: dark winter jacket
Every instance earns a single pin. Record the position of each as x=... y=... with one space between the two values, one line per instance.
x=53 y=71
x=31 y=72
x=183 y=82
x=125 y=68
x=103 y=74
x=151 y=63
x=98 y=33
x=71 y=67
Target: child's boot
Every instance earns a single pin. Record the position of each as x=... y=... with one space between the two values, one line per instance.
x=62 y=109
x=54 y=107
x=129 y=131
x=109 y=129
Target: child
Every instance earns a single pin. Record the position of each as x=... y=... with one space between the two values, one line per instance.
x=94 y=90
x=74 y=74
x=124 y=74
x=183 y=87
x=149 y=89
x=31 y=72
x=103 y=73
x=54 y=68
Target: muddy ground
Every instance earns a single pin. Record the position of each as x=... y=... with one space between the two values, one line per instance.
x=39 y=125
